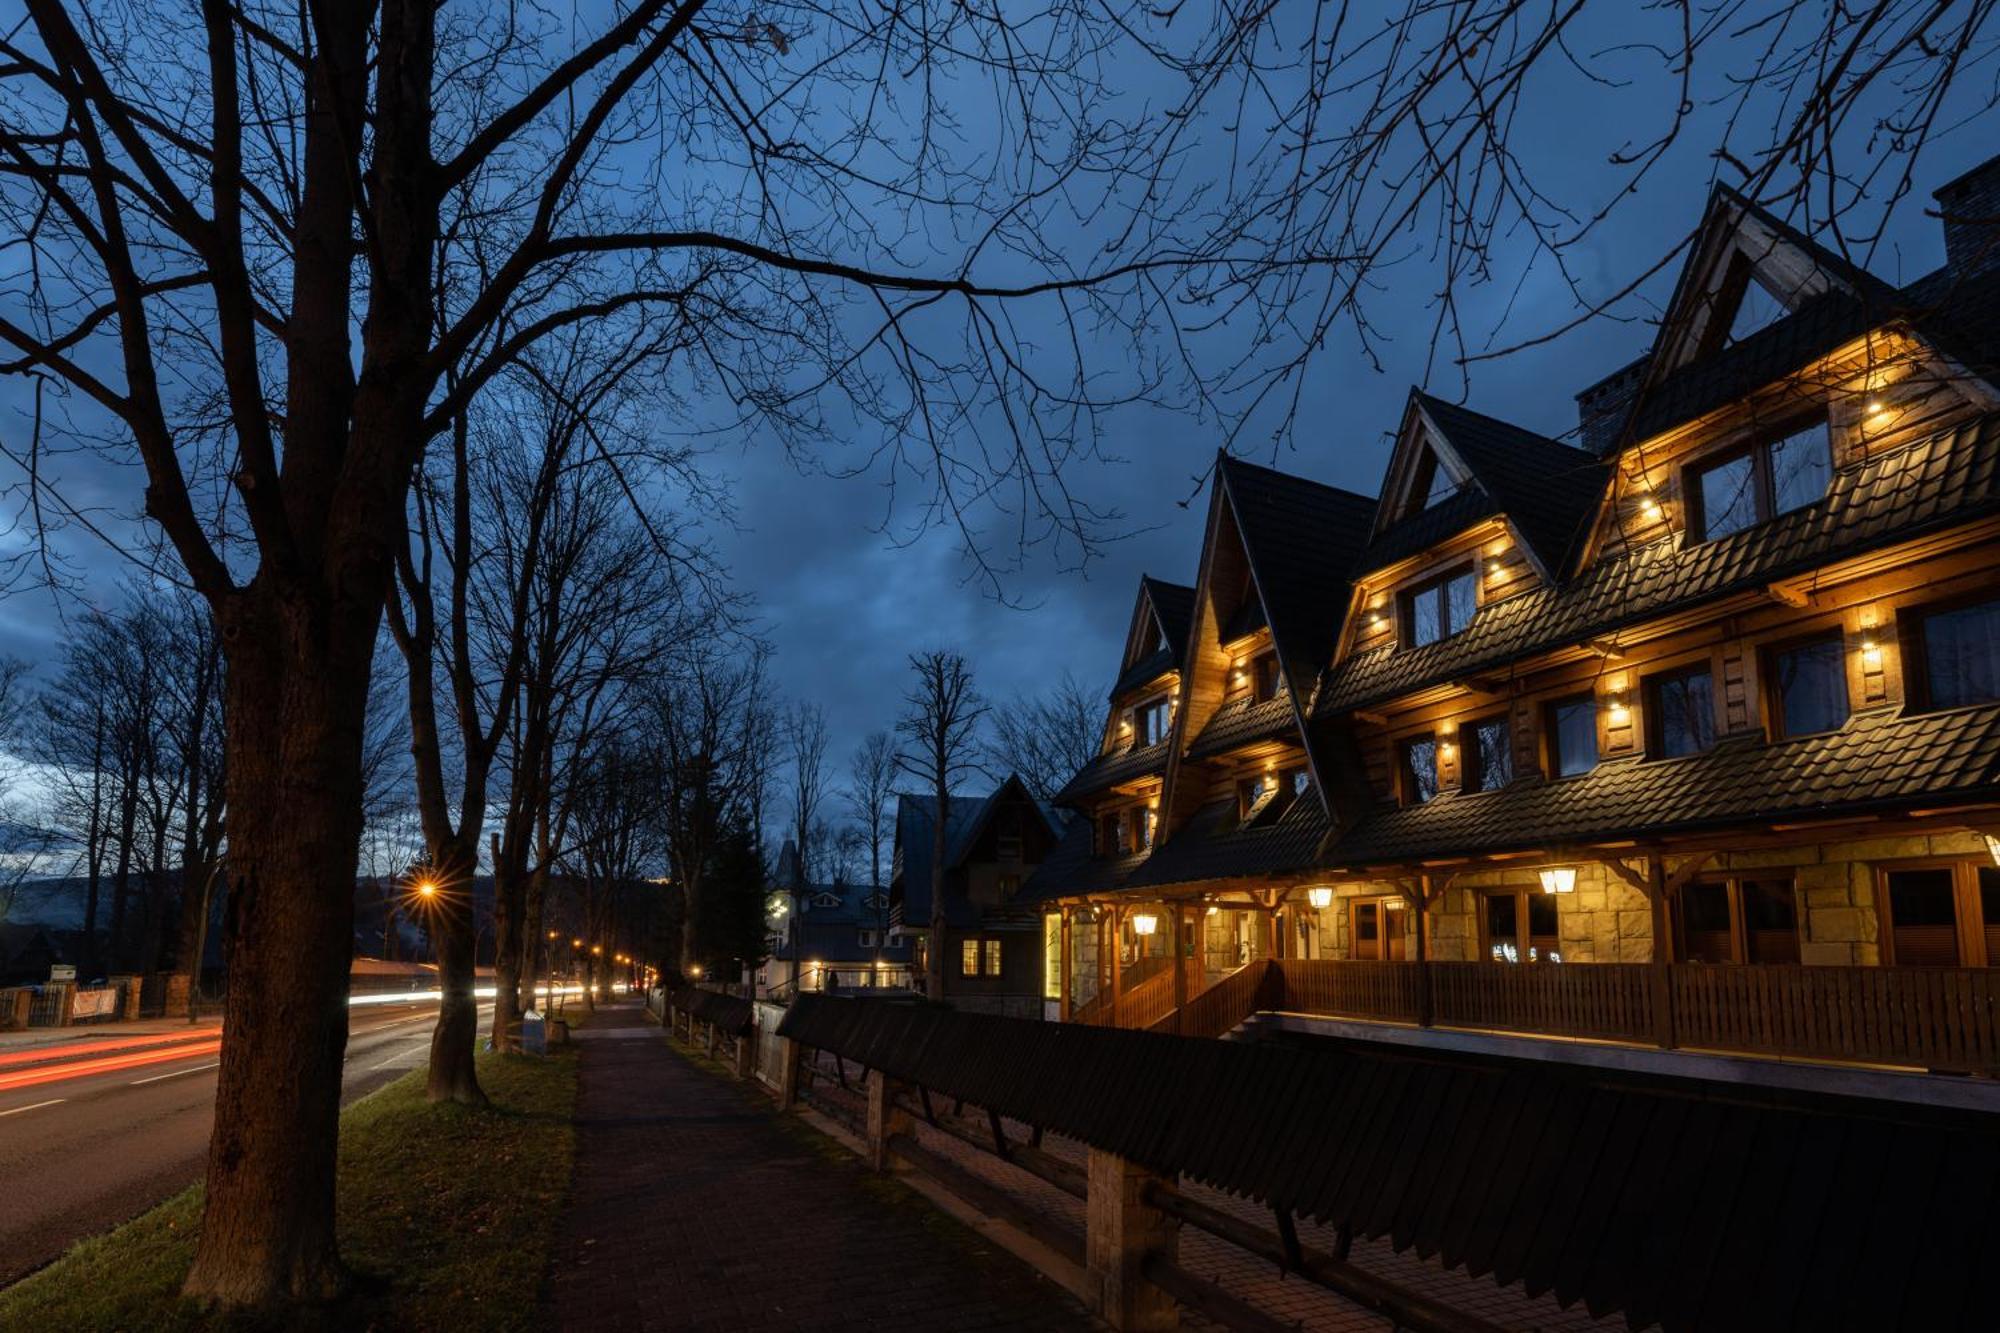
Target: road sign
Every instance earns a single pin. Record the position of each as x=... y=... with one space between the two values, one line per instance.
x=61 y=972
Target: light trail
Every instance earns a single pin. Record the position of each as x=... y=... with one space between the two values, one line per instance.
x=110 y=1065
x=33 y=1055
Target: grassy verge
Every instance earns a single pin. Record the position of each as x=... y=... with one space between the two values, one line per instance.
x=446 y=1216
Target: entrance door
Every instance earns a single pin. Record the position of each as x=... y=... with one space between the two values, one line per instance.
x=1381 y=927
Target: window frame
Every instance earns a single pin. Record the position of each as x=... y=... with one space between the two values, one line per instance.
x=1470 y=750
x=1552 y=733
x=1145 y=709
x=1437 y=584
x=1380 y=905
x=969 y=966
x=1763 y=484
x=1267 y=681
x=1655 y=715
x=1406 y=778
x=1968 y=922
x=992 y=959
x=1732 y=883
x=1774 y=697
x=1910 y=622
x=1524 y=935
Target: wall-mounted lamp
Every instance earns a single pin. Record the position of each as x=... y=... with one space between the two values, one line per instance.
x=1212 y=910
x=1320 y=896
x=1558 y=879
x=1649 y=508
x=1871 y=654
x=1144 y=923
x=1620 y=714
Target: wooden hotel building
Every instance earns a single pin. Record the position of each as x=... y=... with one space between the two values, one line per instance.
x=1685 y=733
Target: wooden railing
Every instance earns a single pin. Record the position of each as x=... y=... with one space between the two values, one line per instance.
x=1225 y=1004
x=1610 y=1000
x=1943 y=1018
x=1351 y=989
x=1937 y=1017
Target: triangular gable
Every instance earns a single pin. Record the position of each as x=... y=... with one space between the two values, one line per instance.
x=1424 y=469
x=1738 y=244
x=1545 y=491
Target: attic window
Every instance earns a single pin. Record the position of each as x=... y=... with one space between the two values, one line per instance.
x=1265 y=680
x=1786 y=470
x=1150 y=721
x=1432 y=485
x=825 y=900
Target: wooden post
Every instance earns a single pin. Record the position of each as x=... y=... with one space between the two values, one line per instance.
x=1067 y=1003
x=1117 y=958
x=790 y=1058
x=711 y=1041
x=885 y=1119
x=746 y=1053
x=1178 y=944
x=1420 y=944
x=1122 y=1229
x=1663 y=950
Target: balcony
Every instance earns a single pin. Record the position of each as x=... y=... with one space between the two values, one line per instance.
x=1937 y=1018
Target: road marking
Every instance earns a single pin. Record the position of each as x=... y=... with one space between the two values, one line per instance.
x=176 y=1074
x=36 y=1107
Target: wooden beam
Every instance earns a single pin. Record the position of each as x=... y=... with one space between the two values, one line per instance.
x=1694 y=866
x=1794 y=597
x=1632 y=877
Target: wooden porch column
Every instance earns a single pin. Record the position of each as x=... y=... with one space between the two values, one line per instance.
x=1121 y=1230
x=1117 y=957
x=1420 y=944
x=1066 y=1004
x=1179 y=937
x=746 y=1053
x=1663 y=950
x=885 y=1119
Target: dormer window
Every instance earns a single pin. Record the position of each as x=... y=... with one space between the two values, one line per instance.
x=1150 y=721
x=1785 y=471
x=825 y=901
x=1265 y=680
x=1438 y=609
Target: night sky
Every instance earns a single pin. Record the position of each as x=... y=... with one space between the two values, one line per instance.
x=843 y=605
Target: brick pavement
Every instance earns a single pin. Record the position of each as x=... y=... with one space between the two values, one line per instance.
x=695 y=1206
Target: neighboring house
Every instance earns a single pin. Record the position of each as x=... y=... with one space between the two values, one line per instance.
x=993 y=961
x=1689 y=735
x=27 y=951
x=842 y=935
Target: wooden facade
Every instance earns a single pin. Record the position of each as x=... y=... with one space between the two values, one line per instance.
x=1690 y=737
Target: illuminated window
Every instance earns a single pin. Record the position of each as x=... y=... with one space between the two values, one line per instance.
x=992 y=958
x=968 y=958
x=1520 y=927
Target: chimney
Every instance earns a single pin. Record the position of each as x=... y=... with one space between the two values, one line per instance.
x=1970 y=206
x=1600 y=409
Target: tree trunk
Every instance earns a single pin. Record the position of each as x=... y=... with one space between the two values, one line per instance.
x=934 y=955
x=452 y=1076
x=532 y=931
x=508 y=909
x=296 y=695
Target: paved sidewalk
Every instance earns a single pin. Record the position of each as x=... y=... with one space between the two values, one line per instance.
x=696 y=1206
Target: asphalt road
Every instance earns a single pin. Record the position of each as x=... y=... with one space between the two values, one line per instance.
x=95 y=1139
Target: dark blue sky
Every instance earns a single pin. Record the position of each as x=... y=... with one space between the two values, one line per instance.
x=843 y=604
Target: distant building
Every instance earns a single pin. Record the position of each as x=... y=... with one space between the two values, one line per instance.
x=829 y=934
x=993 y=944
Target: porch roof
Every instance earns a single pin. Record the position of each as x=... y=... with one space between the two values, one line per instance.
x=1881 y=758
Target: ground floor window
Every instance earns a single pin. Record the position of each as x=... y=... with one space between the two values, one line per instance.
x=1940 y=914
x=1380 y=927
x=1739 y=919
x=1519 y=926
x=1052 y=928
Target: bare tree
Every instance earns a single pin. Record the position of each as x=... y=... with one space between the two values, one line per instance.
x=871 y=787
x=940 y=729
x=1046 y=738
x=705 y=715
x=805 y=744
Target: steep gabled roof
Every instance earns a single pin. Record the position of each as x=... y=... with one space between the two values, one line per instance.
x=1302 y=540
x=1163 y=612
x=966 y=819
x=1545 y=489
x=1173 y=605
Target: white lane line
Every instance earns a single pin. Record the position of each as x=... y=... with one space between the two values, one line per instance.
x=176 y=1073
x=36 y=1107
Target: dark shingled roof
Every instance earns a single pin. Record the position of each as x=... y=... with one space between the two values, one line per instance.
x=1244 y=720
x=1302 y=539
x=1108 y=770
x=1548 y=490
x=1686 y=1202
x=1074 y=867
x=1945 y=479
x=1150 y=667
x=1212 y=845
x=911 y=889
x=1173 y=603
x=1879 y=758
